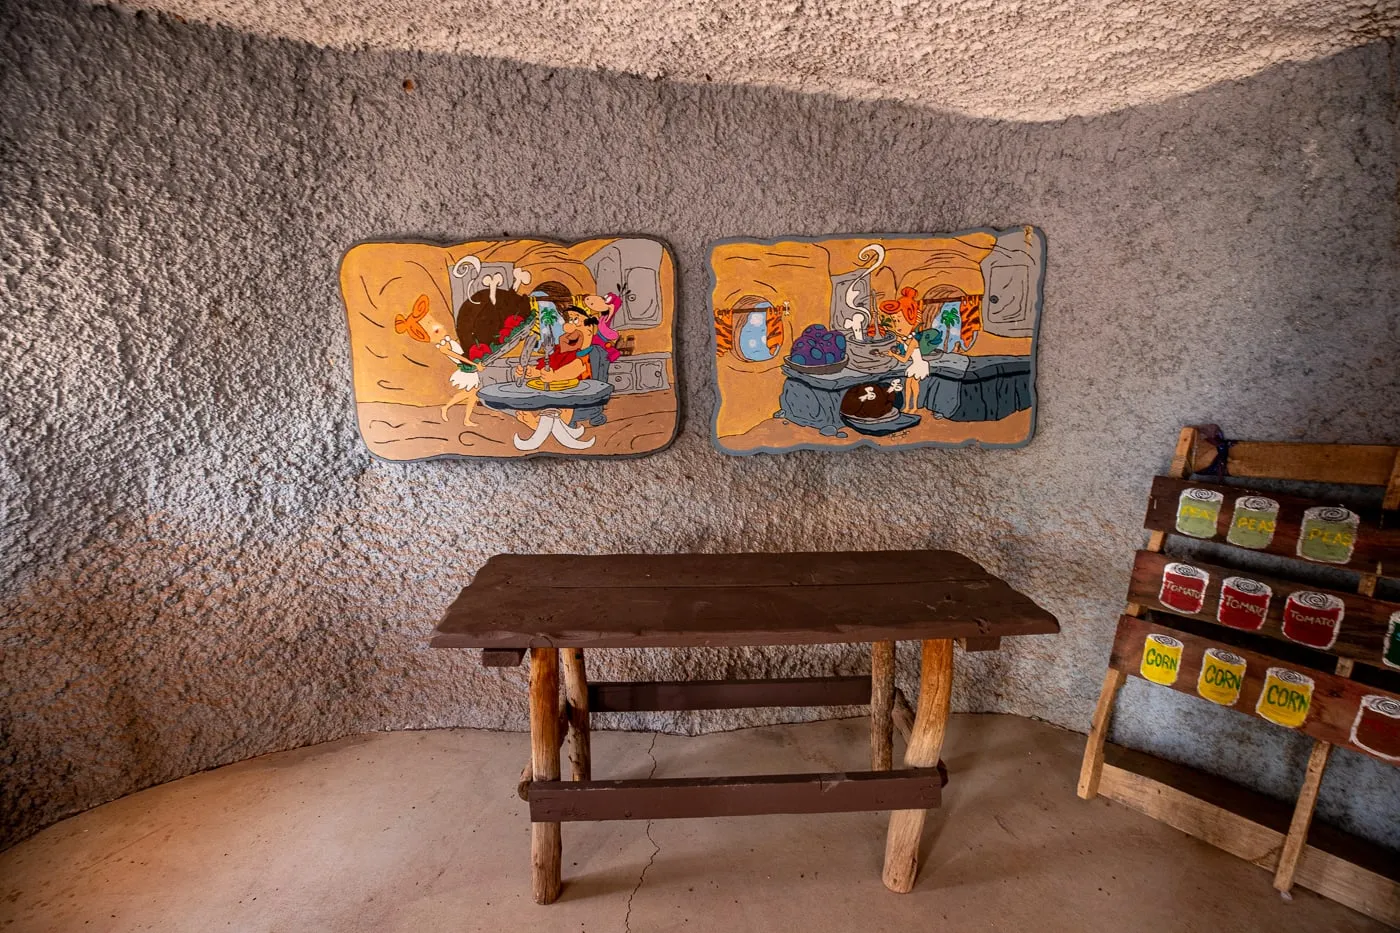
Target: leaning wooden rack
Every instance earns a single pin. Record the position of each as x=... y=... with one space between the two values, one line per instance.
x=1323 y=660
x=560 y=605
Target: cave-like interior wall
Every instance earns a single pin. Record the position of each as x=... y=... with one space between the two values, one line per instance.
x=202 y=563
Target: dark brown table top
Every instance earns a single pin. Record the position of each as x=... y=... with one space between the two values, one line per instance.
x=679 y=600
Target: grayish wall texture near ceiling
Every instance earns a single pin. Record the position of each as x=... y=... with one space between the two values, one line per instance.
x=202 y=563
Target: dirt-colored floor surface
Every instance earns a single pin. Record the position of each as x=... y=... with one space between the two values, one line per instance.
x=423 y=832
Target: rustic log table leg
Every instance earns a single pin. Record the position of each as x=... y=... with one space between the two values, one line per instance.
x=545 y=845
x=576 y=694
x=925 y=743
x=881 y=705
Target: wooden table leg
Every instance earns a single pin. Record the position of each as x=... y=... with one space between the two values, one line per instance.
x=925 y=744
x=881 y=705
x=546 y=850
x=576 y=695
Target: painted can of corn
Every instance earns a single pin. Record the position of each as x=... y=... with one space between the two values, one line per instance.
x=1222 y=676
x=1161 y=659
x=1285 y=697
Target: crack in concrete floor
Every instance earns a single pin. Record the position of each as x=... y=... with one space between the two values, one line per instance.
x=655 y=849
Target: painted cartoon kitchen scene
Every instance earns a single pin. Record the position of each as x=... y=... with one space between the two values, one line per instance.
x=512 y=347
x=898 y=341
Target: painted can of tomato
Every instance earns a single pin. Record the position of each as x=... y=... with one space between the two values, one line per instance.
x=1183 y=587
x=1244 y=603
x=1377 y=726
x=1313 y=619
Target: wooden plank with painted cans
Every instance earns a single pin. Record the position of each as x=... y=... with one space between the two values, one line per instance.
x=1313 y=530
x=671 y=695
x=1324 y=706
x=1348 y=625
x=689 y=798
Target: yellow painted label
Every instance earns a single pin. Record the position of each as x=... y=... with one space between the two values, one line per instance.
x=1161 y=659
x=1220 y=680
x=1284 y=703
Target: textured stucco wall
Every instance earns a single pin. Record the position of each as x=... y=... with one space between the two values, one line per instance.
x=202 y=563
x=1029 y=61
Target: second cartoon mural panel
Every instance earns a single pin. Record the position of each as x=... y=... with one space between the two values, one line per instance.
x=887 y=341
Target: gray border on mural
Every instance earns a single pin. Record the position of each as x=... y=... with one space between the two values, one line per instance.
x=532 y=455
x=866 y=442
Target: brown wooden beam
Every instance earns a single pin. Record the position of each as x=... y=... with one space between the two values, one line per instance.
x=628 y=697
x=502 y=657
x=684 y=798
x=981 y=644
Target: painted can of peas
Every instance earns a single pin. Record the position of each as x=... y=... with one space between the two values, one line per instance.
x=1285 y=697
x=1161 y=659
x=1253 y=522
x=1328 y=534
x=1197 y=511
x=1222 y=676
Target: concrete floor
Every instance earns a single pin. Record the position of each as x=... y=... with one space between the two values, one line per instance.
x=422 y=831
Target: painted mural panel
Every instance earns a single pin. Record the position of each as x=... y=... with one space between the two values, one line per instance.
x=512 y=347
x=885 y=341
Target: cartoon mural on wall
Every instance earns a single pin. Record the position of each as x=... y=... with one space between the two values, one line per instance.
x=512 y=347
x=890 y=341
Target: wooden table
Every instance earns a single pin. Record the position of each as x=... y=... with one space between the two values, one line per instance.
x=562 y=604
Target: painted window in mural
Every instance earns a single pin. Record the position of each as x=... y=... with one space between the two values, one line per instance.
x=751 y=328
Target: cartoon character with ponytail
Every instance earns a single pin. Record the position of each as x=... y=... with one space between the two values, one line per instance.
x=423 y=327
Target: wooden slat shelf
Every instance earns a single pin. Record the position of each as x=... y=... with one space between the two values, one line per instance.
x=1374 y=543
x=1326 y=706
x=1351 y=871
x=1362 y=633
x=1259 y=647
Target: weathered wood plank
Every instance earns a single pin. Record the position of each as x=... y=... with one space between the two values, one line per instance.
x=1322 y=705
x=882 y=669
x=953 y=598
x=1355 y=464
x=1368 y=545
x=686 y=798
x=1364 y=633
x=981 y=644
x=637 y=696
x=812 y=568
x=1350 y=871
x=502 y=657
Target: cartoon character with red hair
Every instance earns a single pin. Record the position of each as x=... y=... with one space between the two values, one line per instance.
x=902 y=317
x=421 y=325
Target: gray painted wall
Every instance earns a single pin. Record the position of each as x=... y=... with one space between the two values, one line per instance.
x=201 y=563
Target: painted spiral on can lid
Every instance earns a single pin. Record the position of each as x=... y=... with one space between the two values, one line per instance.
x=1247 y=586
x=1257 y=504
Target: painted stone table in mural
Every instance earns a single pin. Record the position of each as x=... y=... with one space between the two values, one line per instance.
x=509 y=396
x=813 y=400
x=554 y=606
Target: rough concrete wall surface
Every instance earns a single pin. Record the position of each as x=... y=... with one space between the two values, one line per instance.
x=202 y=563
x=1029 y=61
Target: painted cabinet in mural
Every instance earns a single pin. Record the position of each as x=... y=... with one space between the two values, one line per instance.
x=510 y=348
x=888 y=341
